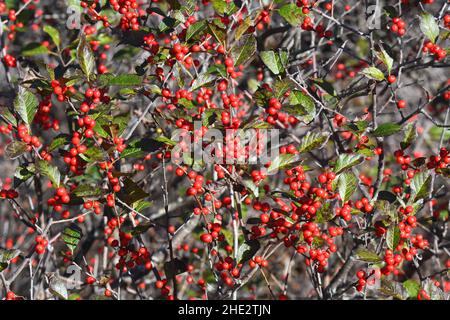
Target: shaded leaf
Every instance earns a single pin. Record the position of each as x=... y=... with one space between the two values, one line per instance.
x=34 y=49
x=247 y=250
x=58 y=288
x=15 y=149
x=368 y=256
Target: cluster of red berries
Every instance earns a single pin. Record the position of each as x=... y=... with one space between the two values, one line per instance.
x=402 y=159
x=434 y=49
x=43 y=115
x=263 y=19
x=8 y=194
x=10 y=61
x=60 y=90
x=130 y=258
x=398 y=26
x=128 y=10
x=97 y=17
x=72 y=157
x=363 y=279
x=440 y=161
x=88 y=124
x=41 y=245
x=152 y=43
x=32 y=141
x=11 y=295
x=93 y=97
x=318 y=258
x=341 y=72
x=93 y=205
x=197 y=186
x=60 y=198
x=447 y=21
x=419 y=242
x=180 y=52
x=364 y=205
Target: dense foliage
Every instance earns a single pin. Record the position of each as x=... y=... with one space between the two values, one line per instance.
x=93 y=204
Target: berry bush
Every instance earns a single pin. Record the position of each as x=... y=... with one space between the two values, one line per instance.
x=353 y=206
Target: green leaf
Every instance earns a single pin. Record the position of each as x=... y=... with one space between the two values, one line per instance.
x=72 y=236
x=34 y=49
x=368 y=256
x=282 y=161
x=393 y=236
x=281 y=87
x=429 y=26
x=347 y=185
x=15 y=149
x=346 y=161
x=59 y=141
x=218 y=69
x=412 y=287
x=386 y=59
x=420 y=186
x=276 y=62
x=301 y=106
x=410 y=134
x=123 y=80
x=196 y=30
x=387 y=129
x=243 y=27
x=26 y=105
x=188 y=104
x=244 y=50
x=165 y=140
x=50 y=171
x=292 y=14
x=86 y=58
x=324 y=213
x=373 y=73
x=86 y=190
x=312 y=140
x=93 y=154
x=132 y=153
x=6 y=255
x=53 y=33
x=224 y=7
